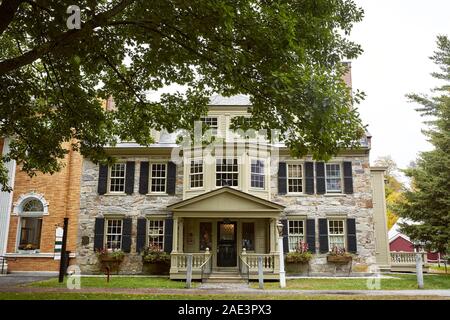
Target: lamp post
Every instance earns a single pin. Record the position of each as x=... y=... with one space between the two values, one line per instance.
x=281 y=253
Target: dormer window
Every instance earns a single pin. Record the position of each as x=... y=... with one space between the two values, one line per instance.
x=212 y=123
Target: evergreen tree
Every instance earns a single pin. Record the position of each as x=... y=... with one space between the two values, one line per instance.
x=427 y=203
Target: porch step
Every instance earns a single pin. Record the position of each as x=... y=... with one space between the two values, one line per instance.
x=224 y=277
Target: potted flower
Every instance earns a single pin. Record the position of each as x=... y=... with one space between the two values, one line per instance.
x=339 y=255
x=110 y=259
x=155 y=261
x=298 y=261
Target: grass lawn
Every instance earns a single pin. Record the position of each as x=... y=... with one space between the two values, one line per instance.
x=116 y=282
x=404 y=282
x=113 y=296
x=440 y=269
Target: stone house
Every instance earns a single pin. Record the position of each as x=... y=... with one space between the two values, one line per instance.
x=222 y=204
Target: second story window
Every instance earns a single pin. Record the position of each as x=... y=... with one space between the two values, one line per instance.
x=113 y=234
x=196 y=174
x=295 y=178
x=257 y=177
x=333 y=177
x=212 y=123
x=117 y=178
x=158 y=177
x=227 y=172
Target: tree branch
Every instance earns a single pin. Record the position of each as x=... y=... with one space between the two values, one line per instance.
x=8 y=8
x=62 y=39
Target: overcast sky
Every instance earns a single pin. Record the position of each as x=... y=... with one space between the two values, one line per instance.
x=397 y=36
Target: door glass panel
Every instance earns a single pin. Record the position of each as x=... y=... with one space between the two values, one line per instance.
x=248 y=235
x=227 y=231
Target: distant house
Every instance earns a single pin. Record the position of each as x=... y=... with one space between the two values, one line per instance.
x=399 y=242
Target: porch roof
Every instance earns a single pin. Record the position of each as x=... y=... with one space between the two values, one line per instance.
x=226 y=202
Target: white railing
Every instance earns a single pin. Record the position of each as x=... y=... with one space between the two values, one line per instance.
x=406 y=257
x=269 y=261
x=198 y=259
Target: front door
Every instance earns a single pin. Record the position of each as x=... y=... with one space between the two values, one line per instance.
x=226 y=244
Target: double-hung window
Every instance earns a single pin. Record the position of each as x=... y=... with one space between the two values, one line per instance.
x=117 y=178
x=156 y=233
x=196 y=174
x=336 y=234
x=296 y=233
x=212 y=123
x=113 y=234
x=257 y=176
x=333 y=178
x=295 y=178
x=227 y=172
x=158 y=177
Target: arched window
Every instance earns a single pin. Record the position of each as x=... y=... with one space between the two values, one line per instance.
x=30 y=209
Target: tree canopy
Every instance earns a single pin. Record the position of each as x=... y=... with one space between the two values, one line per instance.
x=428 y=201
x=286 y=55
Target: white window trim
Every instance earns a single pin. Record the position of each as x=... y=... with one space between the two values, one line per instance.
x=287 y=177
x=216 y=133
x=238 y=172
x=125 y=178
x=189 y=174
x=150 y=171
x=18 y=205
x=304 y=228
x=332 y=192
x=344 y=230
x=264 y=174
x=105 y=232
x=147 y=234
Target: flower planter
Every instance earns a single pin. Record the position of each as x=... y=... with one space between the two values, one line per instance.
x=339 y=258
x=296 y=268
x=110 y=263
x=156 y=268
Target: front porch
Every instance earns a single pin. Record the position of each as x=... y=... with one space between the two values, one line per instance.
x=224 y=232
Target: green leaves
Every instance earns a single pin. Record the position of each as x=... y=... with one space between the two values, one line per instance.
x=286 y=55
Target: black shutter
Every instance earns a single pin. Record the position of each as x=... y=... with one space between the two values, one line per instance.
x=282 y=178
x=351 y=236
x=309 y=177
x=285 y=236
x=348 y=177
x=311 y=235
x=143 y=178
x=126 y=235
x=171 y=177
x=323 y=235
x=129 y=179
x=141 y=234
x=320 y=177
x=102 y=179
x=168 y=232
x=99 y=231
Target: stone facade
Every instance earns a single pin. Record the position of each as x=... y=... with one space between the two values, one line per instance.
x=357 y=205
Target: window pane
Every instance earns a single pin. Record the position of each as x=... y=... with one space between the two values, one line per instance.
x=205 y=235
x=227 y=172
x=336 y=234
x=212 y=123
x=156 y=234
x=30 y=233
x=33 y=205
x=117 y=178
x=113 y=234
x=333 y=174
x=295 y=233
x=257 y=176
x=295 y=178
x=248 y=235
x=196 y=174
x=158 y=177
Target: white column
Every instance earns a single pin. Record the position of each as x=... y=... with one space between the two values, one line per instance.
x=175 y=236
x=272 y=232
x=6 y=200
x=180 y=235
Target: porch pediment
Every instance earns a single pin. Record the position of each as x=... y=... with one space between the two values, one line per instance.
x=229 y=201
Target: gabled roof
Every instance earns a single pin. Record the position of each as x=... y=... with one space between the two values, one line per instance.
x=226 y=200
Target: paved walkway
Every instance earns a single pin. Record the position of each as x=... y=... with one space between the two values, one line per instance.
x=12 y=280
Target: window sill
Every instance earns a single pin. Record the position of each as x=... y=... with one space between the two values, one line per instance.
x=334 y=194
x=115 y=194
x=157 y=194
x=34 y=255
